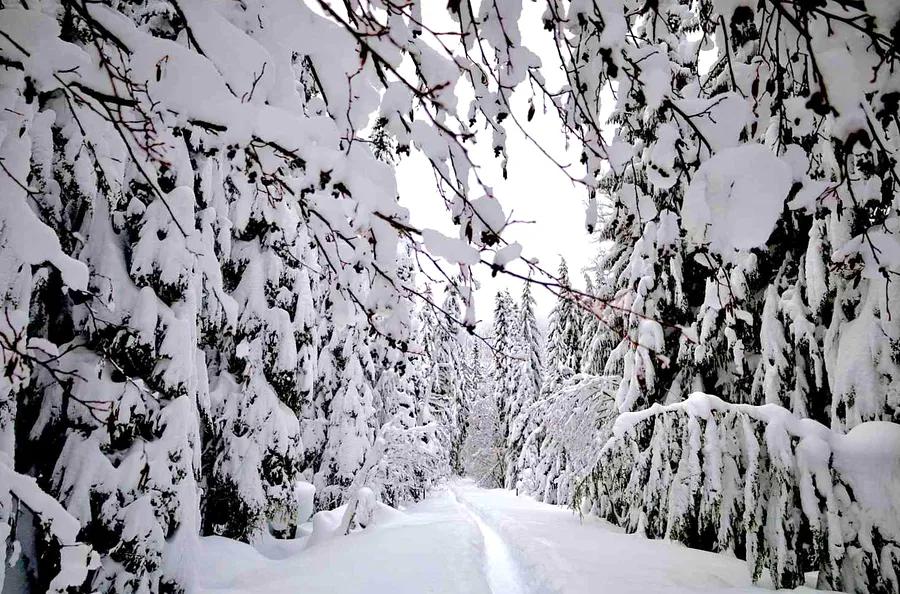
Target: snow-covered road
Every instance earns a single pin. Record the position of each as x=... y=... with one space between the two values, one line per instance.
x=466 y=540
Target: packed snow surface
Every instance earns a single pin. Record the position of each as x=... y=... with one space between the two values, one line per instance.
x=470 y=540
x=434 y=547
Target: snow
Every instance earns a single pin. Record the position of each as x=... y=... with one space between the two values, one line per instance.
x=237 y=57
x=720 y=119
x=453 y=250
x=60 y=522
x=434 y=547
x=886 y=13
x=471 y=540
x=21 y=231
x=57 y=58
x=507 y=254
x=489 y=218
x=563 y=553
x=730 y=204
x=305 y=494
x=878 y=248
x=203 y=337
x=701 y=405
x=869 y=457
x=502 y=570
x=76 y=559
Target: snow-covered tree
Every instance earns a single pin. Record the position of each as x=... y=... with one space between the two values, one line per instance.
x=413 y=458
x=447 y=374
x=483 y=448
x=204 y=293
x=350 y=416
x=527 y=389
x=189 y=221
x=563 y=336
x=505 y=344
x=753 y=201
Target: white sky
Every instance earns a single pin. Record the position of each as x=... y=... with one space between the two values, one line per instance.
x=536 y=190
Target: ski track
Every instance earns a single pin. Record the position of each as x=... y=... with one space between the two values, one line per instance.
x=503 y=572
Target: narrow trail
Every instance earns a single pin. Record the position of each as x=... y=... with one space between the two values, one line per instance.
x=504 y=575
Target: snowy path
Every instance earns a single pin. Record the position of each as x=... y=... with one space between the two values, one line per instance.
x=467 y=540
x=504 y=575
x=564 y=554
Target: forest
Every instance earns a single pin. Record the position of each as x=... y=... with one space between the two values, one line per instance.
x=223 y=325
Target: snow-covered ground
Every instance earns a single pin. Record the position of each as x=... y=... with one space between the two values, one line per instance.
x=434 y=547
x=469 y=540
x=562 y=553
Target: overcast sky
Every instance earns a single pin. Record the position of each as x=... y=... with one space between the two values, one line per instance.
x=536 y=190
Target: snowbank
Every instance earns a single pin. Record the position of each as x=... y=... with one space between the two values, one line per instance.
x=432 y=547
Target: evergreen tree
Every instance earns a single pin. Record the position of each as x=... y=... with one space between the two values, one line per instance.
x=742 y=305
x=484 y=449
x=413 y=457
x=350 y=414
x=563 y=358
x=563 y=336
x=178 y=267
x=506 y=375
x=451 y=377
x=528 y=387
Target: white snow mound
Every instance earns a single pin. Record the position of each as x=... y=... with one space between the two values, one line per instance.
x=734 y=201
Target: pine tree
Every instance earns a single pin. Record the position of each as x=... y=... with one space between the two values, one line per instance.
x=506 y=378
x=563 y=358
x=563 y=337
x=350 y=417
x=263 y=367
x=413 y=457
x=173 y=292
x=483 y=449
x=742 y=306
x=449 y=358
x=528 y=387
